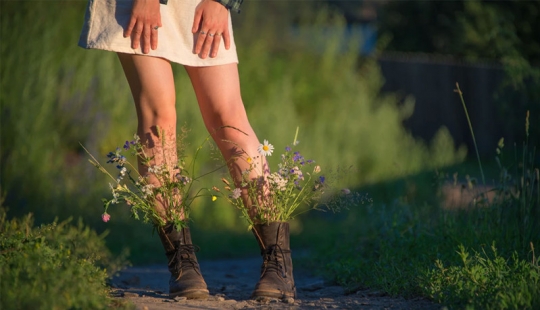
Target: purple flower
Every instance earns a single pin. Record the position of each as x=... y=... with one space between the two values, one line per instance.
x=310 y=161
x=321 y=179
x=297 y=156
x=288 y=149
x=126 y=145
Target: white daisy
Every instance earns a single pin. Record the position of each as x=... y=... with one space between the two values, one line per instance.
x=266 y=149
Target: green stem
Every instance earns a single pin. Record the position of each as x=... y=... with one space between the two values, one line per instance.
x=472 y=132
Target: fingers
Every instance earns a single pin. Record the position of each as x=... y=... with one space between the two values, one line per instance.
x=210 y=23
x=196 y=21
x=143 y=25
x=215 y=45
x=154 y=37
x=142 y=34
x=227 y=38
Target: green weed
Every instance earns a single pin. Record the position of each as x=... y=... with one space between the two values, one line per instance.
x=53 y=266
x=486 y=280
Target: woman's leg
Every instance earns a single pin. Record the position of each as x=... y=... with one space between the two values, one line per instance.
x=152 y=85
x=218 y=92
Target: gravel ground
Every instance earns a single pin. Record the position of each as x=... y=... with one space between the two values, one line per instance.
x=231 y=282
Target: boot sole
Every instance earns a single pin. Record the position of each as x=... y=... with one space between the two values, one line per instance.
x=272 y=294
x=191 y=294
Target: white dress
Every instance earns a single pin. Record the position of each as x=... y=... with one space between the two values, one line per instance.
x=105 y=21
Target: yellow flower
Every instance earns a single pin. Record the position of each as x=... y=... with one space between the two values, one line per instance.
x=214 y=198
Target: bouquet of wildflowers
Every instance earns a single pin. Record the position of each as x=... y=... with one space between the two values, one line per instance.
x=277 y=196
x=174 y=193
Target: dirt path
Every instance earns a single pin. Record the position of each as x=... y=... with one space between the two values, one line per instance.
x=230 y=283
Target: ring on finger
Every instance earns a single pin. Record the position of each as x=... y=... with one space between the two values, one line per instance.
x=155 y=27
x=210 y=34
x=217 y=34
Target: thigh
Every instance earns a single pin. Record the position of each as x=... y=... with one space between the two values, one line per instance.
x=151 y=81
x=218 y=92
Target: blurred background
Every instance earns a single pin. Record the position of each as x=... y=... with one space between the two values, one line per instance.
x=369 y=83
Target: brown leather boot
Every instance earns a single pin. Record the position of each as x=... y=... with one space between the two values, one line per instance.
x=277 y=270
x=186 y=278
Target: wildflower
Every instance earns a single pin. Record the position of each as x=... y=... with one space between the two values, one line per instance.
x=317 y=169
x=297 y=157
x=225 y=181
x=277 y=181
x=105 y=217
x=249 y=160
x=214 y=198
x=126 y=145
x=288 y=149
x=296 y=171
x=322 y=179
x=215 y=189
x=266 y=149
x=236 y=193
x=147 y=190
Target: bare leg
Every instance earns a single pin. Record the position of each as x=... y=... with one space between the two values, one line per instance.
x=152 y=86
x=218 y=92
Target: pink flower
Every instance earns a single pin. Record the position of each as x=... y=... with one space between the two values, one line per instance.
x=105 y=217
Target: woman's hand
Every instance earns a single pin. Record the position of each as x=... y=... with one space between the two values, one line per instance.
x=211 y=22
x=145 y=21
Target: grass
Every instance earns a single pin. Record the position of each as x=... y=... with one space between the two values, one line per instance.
x=475 y=255
x=54 y=95
x=55 y=266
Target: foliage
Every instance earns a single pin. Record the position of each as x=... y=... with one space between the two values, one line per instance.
x=409 y=248
x=503 y=32
x=487 y=281
x=51 y=104
x=53 y=266
x=168 y=184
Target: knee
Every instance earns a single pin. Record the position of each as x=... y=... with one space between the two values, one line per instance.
x=157 y=109
x=230 y=114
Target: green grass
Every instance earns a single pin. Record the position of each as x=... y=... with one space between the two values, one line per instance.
x=55 y=266
x=477 y=255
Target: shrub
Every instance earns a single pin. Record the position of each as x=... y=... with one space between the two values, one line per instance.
x=54 y=266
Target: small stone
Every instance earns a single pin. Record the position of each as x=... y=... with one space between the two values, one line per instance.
x=326 y=299
x=289 y=301
x=219 y=298
x=179 y=298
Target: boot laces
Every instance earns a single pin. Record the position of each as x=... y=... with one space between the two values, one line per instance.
x=273 y=260
x=184 y=258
